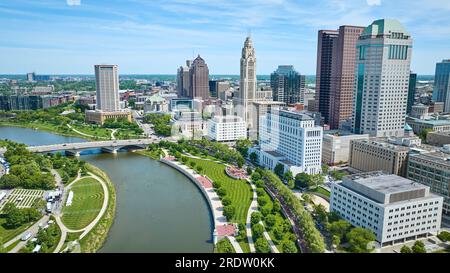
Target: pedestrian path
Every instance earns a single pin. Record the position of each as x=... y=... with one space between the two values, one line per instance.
x=248 y=226
x=272 y=245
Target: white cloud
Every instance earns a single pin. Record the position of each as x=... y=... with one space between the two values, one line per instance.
x=373 y=2
x=73 y=2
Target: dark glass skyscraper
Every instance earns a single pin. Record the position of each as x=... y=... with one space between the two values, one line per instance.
x=327 y=41
x=411 y=91
x=441 y=92
x=288 y=85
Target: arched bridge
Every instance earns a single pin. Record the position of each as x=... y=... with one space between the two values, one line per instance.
x=111 y=146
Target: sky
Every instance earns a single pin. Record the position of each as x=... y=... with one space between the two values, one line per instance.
x=157 y=36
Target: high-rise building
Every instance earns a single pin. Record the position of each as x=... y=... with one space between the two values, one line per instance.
x=292 y=139
x=31 y=76
x=183 y=80
x=246 y=94
x=327 y=41
x=287 y=85
x=382 y=78
x=226 y=128
x=260 y=109
x=107 y=84
x=217 y=87
x=199 y=79
x=411 y=92
x=441 y=92
x=343 y=75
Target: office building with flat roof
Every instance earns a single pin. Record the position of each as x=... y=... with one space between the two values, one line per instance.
x=226 y=128
x=336 y=146
x=287 y=85
x=394 y=208
x=107 y=86
x=433 y=170
x=441 y=91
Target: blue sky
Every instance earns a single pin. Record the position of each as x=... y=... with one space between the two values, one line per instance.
x=156 y=36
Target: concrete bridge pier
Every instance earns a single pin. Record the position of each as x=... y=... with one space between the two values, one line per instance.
x=73 y=153
x=111 y=150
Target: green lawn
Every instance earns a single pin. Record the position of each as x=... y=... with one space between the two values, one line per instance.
x=87 y=202
x=93 y=130
x=239 y=191
x=322 y=191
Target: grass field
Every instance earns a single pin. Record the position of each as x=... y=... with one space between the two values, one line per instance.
x=92 y=130
x=322 y=191
x=239 y=191
x=87 y=202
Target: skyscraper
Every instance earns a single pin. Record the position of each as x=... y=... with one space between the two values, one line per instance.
x=288 y=85
x=199 y=79
x=244 y=98
x=107 y=84
x=441 y=92
x=327 y=41
x=343 y=75
x=382 y=79
x=411 y=91
x=183 y=80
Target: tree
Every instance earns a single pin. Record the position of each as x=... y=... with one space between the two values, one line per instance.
x=316 y=180
x=262 y=246
x=257 y=230
x=359 y=239
x=256 y=176
x=263 y=200
x=288 y=176
x=278 y=231
x=302 y=180
x=419 y=247
x=325 y=169
x=199 y=169
x=288 y=246
x=321 y=213
x=336 y=240
x=405 y=249
x=254 y=158
x=240 y=162
x=255 y=218
x=249 y=170
x=339 y=228
x=229 y=211
x=423 y=134
x=279 y=170
x=444 y=236
x=242 y=146
x=270 y=220
x=291 y=183
x=217 y=184
x=276 y=207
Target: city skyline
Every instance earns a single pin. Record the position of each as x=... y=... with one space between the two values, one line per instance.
x=57 y=37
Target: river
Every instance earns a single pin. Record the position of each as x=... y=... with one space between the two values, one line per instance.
x=158 y=209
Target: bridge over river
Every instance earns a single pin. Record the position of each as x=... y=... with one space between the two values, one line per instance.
x=111 y=146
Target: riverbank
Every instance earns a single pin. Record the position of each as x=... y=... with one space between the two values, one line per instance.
x=95 y=239
x=40 y=127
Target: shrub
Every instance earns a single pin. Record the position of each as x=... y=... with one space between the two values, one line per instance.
x=221 y=192
x=229 y=211
x=262 y=246
x=257 y=230
x=217 y=184
x=255 y=218
x=265 y=210
x=444 y=236
x=226 y=201
x=288 y=246
x=263 y=200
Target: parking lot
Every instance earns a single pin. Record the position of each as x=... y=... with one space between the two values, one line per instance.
x=22 y=198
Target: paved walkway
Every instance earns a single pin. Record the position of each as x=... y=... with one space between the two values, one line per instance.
x=236 y=245
x=33 y=230
x=113 y=132
x=272 y=245
x=248 y=226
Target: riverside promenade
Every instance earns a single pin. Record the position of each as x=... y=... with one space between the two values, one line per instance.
x=222 y=229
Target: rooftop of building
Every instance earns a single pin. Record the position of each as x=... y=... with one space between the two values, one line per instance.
x=342 y=133
x=227 y=118
x=384 y=27
x=435 y=157
x=384 y=183
x=291 y=114
x=268 y=102
x=433 y=122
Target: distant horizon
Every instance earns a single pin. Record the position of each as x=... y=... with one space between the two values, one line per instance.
x=158 y=36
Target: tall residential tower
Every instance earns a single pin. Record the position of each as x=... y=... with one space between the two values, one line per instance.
x=382 y=79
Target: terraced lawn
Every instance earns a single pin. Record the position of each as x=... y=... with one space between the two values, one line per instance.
x=239 y=191
x=86 y=204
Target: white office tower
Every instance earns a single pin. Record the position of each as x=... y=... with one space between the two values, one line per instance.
x=243 y=99
x=226 y=128
x=382 y=79
x=292 y=139
x=107 y=84
x=396 y=209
